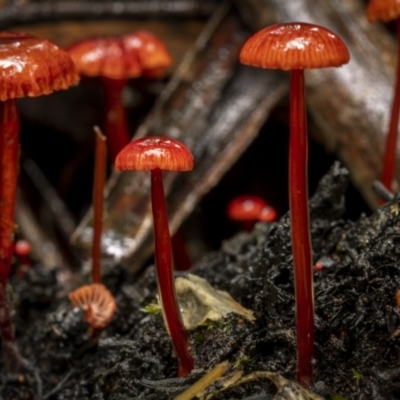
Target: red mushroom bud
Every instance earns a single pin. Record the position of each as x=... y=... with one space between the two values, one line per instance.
x=296 y=46
x=156 y=154
x=246 y=209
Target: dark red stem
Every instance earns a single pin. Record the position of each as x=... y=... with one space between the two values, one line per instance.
x=9 y=165
x=115 y=123
x=165 y=277
x=98 y=197
x=389 y=160
x=300 y=230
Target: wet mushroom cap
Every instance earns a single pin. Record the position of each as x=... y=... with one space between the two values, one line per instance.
x=97 y=302
x=155 y=152
x=31 y=66
x=245 y=208
x=294 y=46
x=383 y=10
x=129 y=56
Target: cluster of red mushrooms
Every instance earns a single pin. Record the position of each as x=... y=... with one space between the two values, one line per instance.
x=290 y=46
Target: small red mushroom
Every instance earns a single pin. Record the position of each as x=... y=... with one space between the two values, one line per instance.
x=296 y=46
x=387 y=10
x=155 y=154
x=115 y=60
x=97 y=302
x=268 y=214
x=22 y=249
x=29 y=66
x=246 y=209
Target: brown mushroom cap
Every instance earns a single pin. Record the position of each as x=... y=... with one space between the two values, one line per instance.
x=30 y=66
x=294 y=46
x=97 y=302
x=383 y=10
x=129 y=56
x=154 y=152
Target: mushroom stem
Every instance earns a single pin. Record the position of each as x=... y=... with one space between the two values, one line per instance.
x=165 y=278
x=389 y=163
x=115 y=123
x=98 y=197
x=300 y=230
x=9 y=152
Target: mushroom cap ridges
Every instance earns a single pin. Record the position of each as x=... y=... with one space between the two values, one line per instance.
x=129 y=56
x=97 y=302
x=294 y=45
x=31 y=66
x=383 y=10
x=155 y=152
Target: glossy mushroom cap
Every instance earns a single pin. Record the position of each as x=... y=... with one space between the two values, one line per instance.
x=129 y=56
x=245 y=208
x=383 y=10
x=268 y=214
x=97 y=302
x=31 y=66
x=155 y=152
x=22 y=248
x=294 y=45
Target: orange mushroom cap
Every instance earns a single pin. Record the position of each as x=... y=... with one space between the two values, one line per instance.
x=97 y=302
x=383 y=10
x=294 y=45
x=153 y=152
x=31 y=66
x=129 y=56
x=245 y=208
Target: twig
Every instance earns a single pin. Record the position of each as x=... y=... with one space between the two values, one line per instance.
x=59 y=385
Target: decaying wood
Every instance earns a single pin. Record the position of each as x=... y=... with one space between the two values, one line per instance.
x=349 y=104
x=17 y=12
x=216 y=108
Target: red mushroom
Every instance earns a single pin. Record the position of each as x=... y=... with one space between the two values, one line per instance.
x=116 y=60
x=246 y=209
x=156 y=154
x=22 y=250
x=386 y=10
x=97 y=302
x=295 y=47
x=29 y=67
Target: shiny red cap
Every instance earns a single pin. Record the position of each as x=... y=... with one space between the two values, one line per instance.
x=294 y=45
x=383 y=10
x=129 y=56
x=153 y=152
x=245 y=208
x=31 y=66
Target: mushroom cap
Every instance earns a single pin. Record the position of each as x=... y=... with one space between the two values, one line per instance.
x=31 y=66
x=294 y=45
x=22 y=248
x=97 y=302
x=245 y=208
x=154 y=152
x=129 y=56
x=383 y=10
x=268 y=214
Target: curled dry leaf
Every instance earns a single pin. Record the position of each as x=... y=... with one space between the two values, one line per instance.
x=97 y=302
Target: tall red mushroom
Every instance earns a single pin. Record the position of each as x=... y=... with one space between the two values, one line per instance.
x=115 y=60
x=387 y=10
x=295 y=47
x=29 y=67
x=155 y=154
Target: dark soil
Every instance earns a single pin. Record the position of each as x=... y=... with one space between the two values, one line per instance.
x=357 y=352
